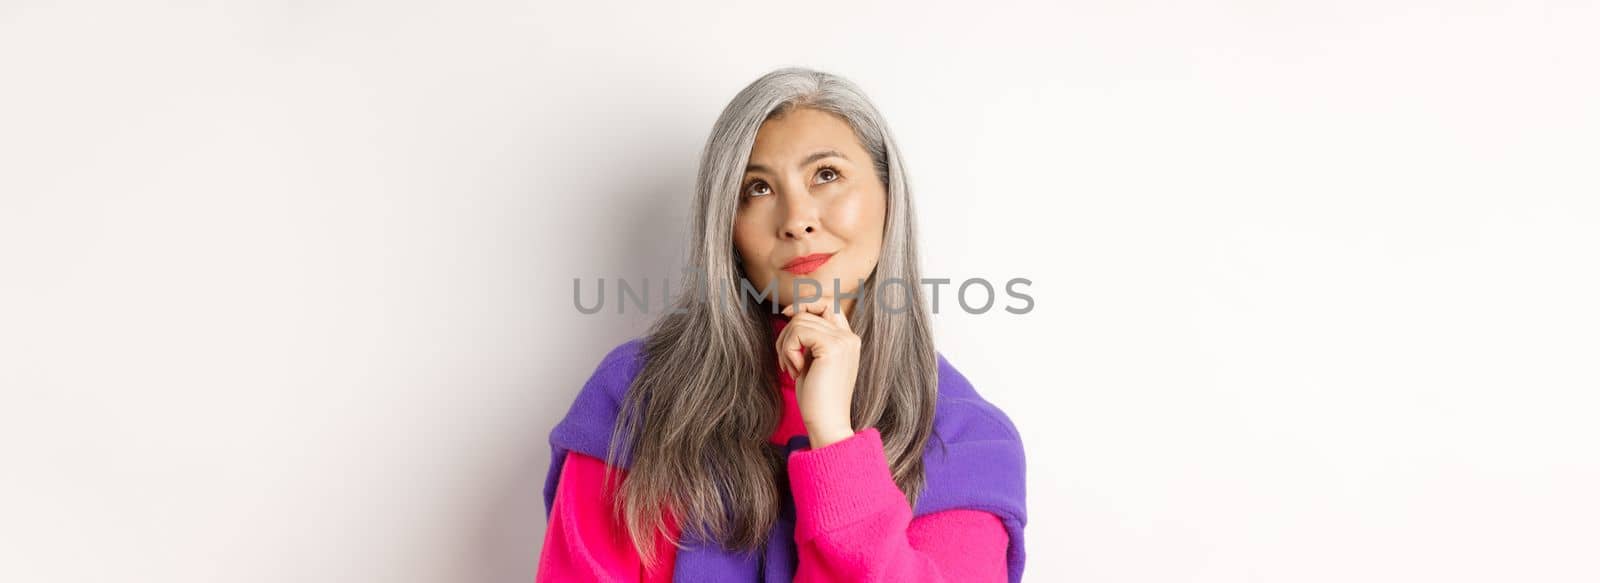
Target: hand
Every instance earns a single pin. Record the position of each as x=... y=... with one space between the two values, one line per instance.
x=821 y=353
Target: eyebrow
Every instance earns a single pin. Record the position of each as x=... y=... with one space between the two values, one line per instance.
x=818 y=155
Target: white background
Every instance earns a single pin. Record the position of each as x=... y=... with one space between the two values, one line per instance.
x=286 y=287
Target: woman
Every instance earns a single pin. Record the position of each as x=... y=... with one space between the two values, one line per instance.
x=791 y=411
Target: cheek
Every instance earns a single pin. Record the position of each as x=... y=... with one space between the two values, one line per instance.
x=747 y=240
x=858 y=218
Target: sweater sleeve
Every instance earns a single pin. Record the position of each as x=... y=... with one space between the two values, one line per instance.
x=852 y=523
x=583 y=543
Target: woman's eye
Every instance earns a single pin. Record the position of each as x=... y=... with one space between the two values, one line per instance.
x=827 y=175
x=758 y=189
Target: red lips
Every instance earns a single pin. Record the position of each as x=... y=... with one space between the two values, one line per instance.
x=806 y=264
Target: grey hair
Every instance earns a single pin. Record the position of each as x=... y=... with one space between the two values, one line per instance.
x=696 y=419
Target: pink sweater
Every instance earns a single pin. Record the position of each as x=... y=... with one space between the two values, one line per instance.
x=851 y=522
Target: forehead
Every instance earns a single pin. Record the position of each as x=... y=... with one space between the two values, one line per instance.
x=801 y=132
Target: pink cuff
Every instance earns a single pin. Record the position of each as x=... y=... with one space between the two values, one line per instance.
x=841 y=483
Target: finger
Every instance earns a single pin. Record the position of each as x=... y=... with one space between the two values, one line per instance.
x=777 y=353
x=797 y=362
x=817 y=306
x=804 y=339
x=791 y=351
x=809 y=320
x=804 y=305
x=784 y=361
x=815 y=335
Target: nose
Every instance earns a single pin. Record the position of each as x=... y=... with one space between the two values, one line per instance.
x=800 y=218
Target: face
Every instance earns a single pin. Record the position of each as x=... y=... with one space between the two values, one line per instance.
x=811 y=207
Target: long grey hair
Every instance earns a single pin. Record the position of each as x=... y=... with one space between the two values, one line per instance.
x=697 y=417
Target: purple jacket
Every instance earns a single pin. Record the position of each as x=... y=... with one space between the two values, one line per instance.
x=980 y=467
